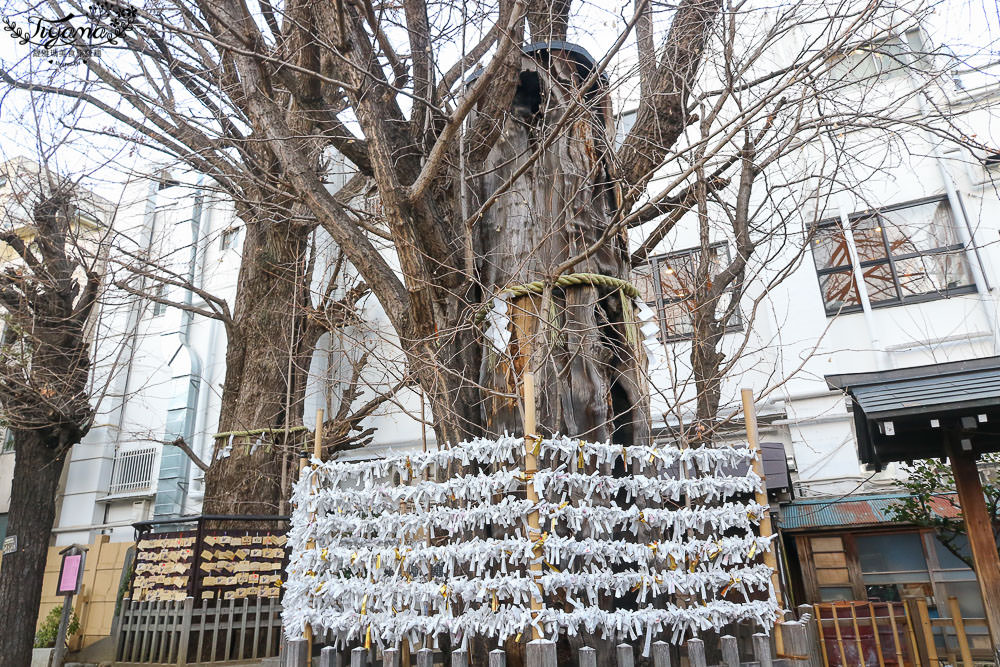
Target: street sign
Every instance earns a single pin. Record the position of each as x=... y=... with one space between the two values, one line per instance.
x=9 y=544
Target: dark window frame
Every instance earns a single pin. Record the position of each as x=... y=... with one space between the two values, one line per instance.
x=654 y=262
x=890 y=259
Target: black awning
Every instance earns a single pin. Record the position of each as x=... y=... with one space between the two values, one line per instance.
x=909 y=413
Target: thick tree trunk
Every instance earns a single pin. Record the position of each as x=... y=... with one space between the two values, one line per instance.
x=270 y=315
x=32 y=513
x=580 y=340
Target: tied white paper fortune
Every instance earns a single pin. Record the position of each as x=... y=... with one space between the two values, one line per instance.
x=498 y=323
x=647 y=325
x=384 y=562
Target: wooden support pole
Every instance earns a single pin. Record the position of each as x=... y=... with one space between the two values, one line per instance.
x=766 y=530
x=979 y=528
x=919 y=655
x=317 y=454
x=531 y=440
x=959 y=623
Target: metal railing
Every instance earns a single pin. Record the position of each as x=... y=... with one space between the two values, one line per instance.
x=133 y=471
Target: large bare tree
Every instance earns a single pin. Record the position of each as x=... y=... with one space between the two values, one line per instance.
x=48 y=292
x=490 y=146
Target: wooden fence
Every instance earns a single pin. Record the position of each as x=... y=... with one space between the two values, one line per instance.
x=179 y=633
x=893 y=634
x=799 y=637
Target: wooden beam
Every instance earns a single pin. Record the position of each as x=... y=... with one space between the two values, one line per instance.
x=979 y=529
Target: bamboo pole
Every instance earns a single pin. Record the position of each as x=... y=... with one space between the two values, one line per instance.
x=822 y=635
x=925 y=624
x=840 y=638
x=857 y=632
x=766 y=530
x=895 y=634
x=311 y=544
x=878 y=640
x=530 y=468
x=959 y=622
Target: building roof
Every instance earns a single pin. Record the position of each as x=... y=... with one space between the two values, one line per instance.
x=905 y=391
x=911 y=413
x=855 y=511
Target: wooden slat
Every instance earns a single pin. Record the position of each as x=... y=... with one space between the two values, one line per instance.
x=270 y=624
x=231 y=609
x=257 y=624
x=243 y=628
x=147 y=631
x=206 y=606
x=215 y=630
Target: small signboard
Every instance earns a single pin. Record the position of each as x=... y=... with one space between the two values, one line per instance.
x=9 y=544
x=70 y=573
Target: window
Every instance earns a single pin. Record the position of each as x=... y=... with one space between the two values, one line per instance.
x=908 y=253
x=877 y=61
x=669 y=281
x=892 y=566
x=159 y=292
x=228 y=238
x=8 y=441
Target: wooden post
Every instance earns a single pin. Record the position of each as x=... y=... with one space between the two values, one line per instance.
x=588 y=657
x=540 y=653
x=624 y=654
x=766 y=530
x=661 y=656
x=963 y=640
x=978 y=527
x=530 y=468
x=359 y=657
x=326 y=656
x=762 y=649
x=696 y=653
x=499 y=659
x=730 y=651
x=909 y=611
x=296 y=655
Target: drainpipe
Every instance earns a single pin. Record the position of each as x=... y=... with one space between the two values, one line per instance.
x=859 y=281
x=175 y=466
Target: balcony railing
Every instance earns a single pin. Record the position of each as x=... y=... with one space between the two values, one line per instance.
x=133 y=472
